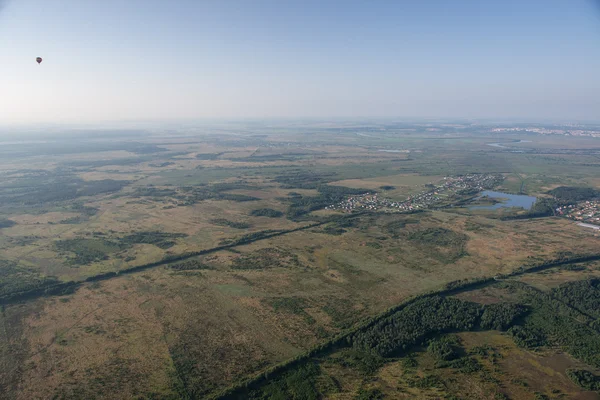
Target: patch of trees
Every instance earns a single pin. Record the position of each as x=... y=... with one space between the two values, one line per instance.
x=573 y=194
x=163 y=240
x=292 y=305
x=266 y=212
x=438 y=237
x=582 y=295
x=15 y=279
x=189 y=195
x=251 y=237
x=528 y=337
x=232 y=224
x=425 y=382
x=466 y=365
x=208 y=156
x=543 y=207
x=85 y=210
x=501 y=316
x=553 y=321
x=267 y=258
x=445 y=348
x=584 y=379
x=72 y=221
x=397 y=228
x=86 y=251
x=365 y=362
x=189 y=265
x=333 y=230
x=419 y=320
x=299 y=383
x=235 y=197
x=151 y=191
x=445 y=245
x=369 y=394
x=387 y=187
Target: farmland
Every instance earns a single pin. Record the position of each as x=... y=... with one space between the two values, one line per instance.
x=184 y=266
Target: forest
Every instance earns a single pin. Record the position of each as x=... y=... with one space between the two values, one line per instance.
x=572 y=194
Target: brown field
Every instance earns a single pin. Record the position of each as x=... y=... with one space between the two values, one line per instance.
x=228 y=318
x=150 y=333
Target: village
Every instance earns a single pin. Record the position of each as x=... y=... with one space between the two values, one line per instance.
x=586 y=211
x=434 y=194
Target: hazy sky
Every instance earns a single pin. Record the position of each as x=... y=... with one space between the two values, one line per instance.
x=108 y=60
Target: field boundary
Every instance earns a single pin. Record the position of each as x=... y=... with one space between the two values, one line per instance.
x=65 y=288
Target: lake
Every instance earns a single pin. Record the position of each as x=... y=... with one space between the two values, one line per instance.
x=512 y=200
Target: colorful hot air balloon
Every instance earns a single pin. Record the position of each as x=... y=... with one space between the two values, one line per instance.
x=39 y=60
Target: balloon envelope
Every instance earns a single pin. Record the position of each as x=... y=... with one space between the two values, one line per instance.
x=38 y=59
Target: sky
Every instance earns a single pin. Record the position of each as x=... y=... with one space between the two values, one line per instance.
x=134 y=60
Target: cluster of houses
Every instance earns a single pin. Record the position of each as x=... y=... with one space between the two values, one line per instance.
x=433 y=195
x=586 y=211
x=573 y=131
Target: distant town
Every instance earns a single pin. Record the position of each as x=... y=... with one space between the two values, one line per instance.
x=572 y=131
x=434 y=194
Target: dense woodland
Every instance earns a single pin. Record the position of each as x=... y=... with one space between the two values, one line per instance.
x=540 y=320
x=581 y=295
x=571 y=194
x=429 y=316
x=14 y=278
x=585 y=379
x=266 y=212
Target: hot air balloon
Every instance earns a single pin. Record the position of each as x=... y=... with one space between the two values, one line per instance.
x=39 y=60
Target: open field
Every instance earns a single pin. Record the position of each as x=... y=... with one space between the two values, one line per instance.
x=230 y=287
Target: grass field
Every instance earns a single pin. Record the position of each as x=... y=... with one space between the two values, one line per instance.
x=187 y=329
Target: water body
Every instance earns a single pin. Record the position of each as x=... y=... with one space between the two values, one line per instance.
x=512 y=200
x=502 y=145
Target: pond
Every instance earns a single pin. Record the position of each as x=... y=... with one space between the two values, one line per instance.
x=507 y=201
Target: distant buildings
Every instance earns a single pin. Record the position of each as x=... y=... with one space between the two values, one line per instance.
x=434 y=195
x=586 y=211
